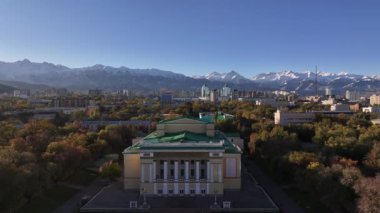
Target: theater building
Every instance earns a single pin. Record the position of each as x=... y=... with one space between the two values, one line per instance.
x=183 y=157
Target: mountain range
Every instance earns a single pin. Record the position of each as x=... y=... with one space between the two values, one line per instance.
x=112 y=78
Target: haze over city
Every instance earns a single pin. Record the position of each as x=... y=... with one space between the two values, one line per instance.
x=195 y=37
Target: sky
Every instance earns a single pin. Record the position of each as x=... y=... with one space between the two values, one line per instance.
x=195 y=37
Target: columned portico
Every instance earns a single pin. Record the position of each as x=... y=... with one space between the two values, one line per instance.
x=194 y=165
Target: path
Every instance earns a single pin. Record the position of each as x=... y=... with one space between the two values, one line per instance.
x=74 y=202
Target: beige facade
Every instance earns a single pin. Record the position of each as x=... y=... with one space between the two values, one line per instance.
x=183 y=157
x=374 y=100
x=283 y=118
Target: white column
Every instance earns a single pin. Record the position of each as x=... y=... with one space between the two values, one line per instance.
x=197 y=170
x=211 y=172
x=154 y=171
x=208 y=171
x=151 y=172
x=142 y=172
x=176 y=170
x=220 y=174
x=187 y=170
x=165 y=170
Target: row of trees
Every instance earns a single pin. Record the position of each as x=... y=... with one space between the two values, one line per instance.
x=38 y=154
x=335 y=160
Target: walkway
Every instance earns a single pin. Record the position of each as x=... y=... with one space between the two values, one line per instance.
x=73 y=204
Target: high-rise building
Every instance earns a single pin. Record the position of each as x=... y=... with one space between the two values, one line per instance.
x=166 y=99
x=205 y=91
x=214 y=95
x=328 y=91
x=226 y=91
x=374 y=100
x=352 y=95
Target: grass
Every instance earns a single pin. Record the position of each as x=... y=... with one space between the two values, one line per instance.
x=49 y=200
x=83 y=177
x=95 y=167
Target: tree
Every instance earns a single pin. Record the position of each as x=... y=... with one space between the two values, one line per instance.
x=368 y=190
x=7 y=132
x=372 y=159
x=39 y=133
x=110 y=170
x=65 y=158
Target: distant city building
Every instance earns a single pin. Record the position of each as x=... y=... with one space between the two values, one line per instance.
x=355 y=107
x=266 y=101
x=374 y=100
x=352 y=95
x=314 y=99
x=205 y=91
x=340 y=107
x=371 y=109
x=214 y=95
x=284 y=118
x=212 y=116
x=328 y=91
x=71 y=102
x=166 y=99
x=329 y=101
x=21 y=93
x=95 y=92
x=226 y=91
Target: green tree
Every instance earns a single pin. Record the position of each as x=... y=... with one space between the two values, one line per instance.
x=110 y=170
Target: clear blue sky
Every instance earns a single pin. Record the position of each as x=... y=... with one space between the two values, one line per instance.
x=195 y=36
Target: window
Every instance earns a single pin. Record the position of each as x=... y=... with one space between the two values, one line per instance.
x=203 y=191
x=182 y=172
x=132 y=204
x=192 y=191
x=192 y=173
x=192 y=162
x=182 y=162
x=181 y=191
x=161 y=162
x=202 y=162
x=162 y=173
x=172 y=162
x=226 y=204
x=203 y=176
x=160 y=191
x=172 y=173
x=170 y=191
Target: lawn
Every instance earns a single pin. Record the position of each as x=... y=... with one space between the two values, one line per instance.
x=83 y=178
x=49 y=200
x=97 y=164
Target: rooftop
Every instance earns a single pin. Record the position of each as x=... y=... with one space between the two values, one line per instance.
x=184 y=140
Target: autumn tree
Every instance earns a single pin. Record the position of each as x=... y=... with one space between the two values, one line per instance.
x=368 y=190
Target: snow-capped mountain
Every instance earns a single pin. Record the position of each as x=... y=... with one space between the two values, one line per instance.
x=229 y=77
x=323 y=77
x=107 y=77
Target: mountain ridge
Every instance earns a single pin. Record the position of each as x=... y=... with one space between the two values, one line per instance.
x=113 y=78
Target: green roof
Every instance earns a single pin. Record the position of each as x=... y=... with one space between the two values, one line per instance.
x=177 y=137
x=152 y=141
x=179 y=118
